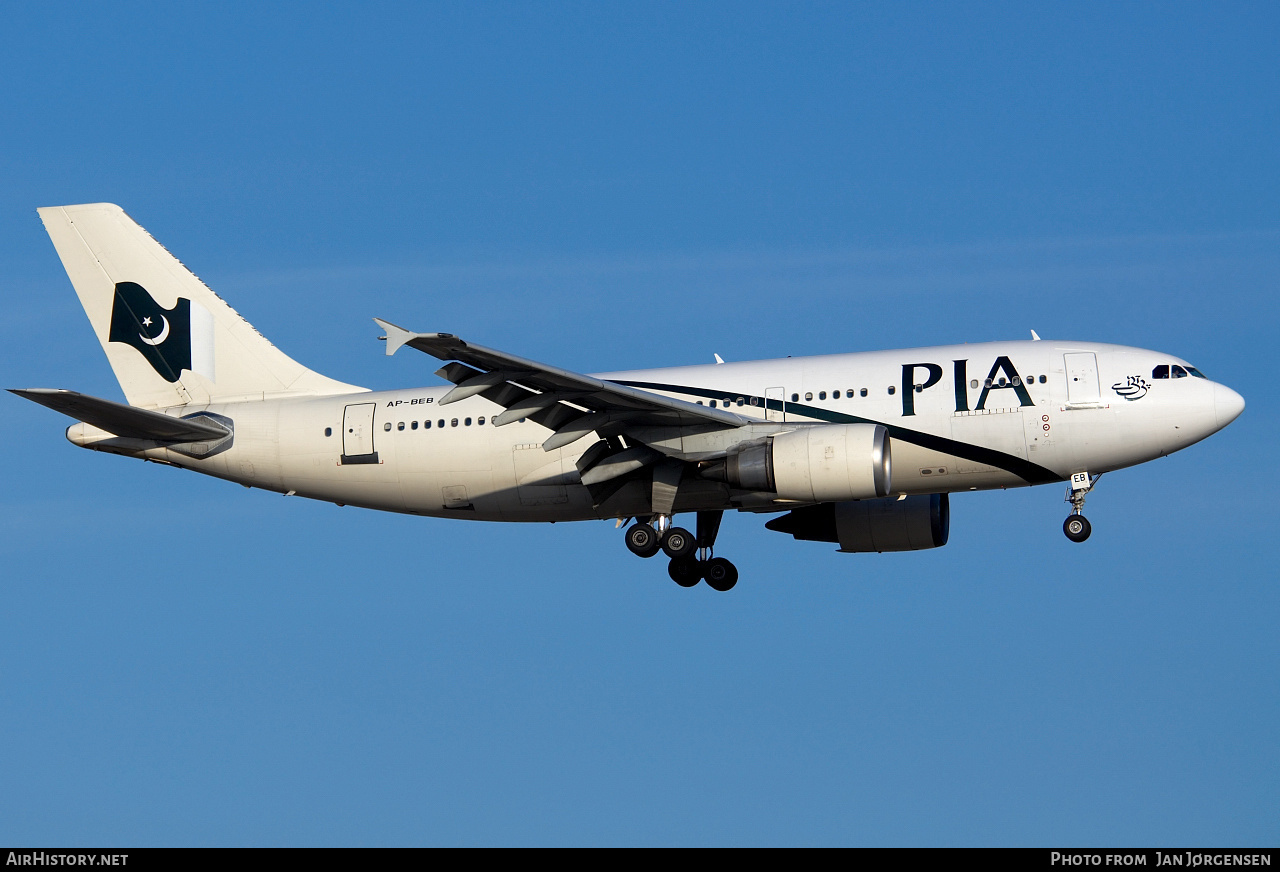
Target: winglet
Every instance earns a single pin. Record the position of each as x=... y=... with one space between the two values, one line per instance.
x=1035 y=336
x=396 y=337
x=718 y=358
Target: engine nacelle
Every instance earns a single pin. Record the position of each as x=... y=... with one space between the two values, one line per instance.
x=910 y=524
x=823 y=463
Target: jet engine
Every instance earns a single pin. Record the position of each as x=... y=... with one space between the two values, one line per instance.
x=823 y=463
x=911 y=524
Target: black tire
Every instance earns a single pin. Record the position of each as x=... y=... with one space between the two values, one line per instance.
x=685 y=571
x=642 y=540
x=679 y=542
x=720 y=574
x=1077 y=528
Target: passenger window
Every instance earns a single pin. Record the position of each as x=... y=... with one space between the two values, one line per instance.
x=468 y=422
x=713 y=404
x=400 y=426
x=387 y=426
x=440 y=423
x=849 y=394
x=1179 y=372
x=822 y=395
x=413 y=425
x=480 y=421
x=741 y=401
x=808 y=397
x=986 y=383
x=426 y=425
x=1161 y=371
x=919 y=389
x=892 y=390
x=453 y=423
x=973 y=383
x=699 y=402
x=1017 y=382
x=795 y=398
x=1043 y=379
x=863 y=392
x=755 y=401
x=328 y=431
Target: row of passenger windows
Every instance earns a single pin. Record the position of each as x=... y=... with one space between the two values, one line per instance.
x=728 y=401
x=1165 y=370
x=426 y=425
x=892 y=389
x=835 y=395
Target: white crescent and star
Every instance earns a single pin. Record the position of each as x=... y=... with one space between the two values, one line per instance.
x=164 y=332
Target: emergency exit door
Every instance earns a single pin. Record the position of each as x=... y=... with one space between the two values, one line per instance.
x=775 y=400
x=357 y=434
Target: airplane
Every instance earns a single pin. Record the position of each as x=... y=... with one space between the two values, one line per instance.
x=861 y=449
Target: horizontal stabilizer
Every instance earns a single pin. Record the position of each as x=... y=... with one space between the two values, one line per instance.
x=121 y=420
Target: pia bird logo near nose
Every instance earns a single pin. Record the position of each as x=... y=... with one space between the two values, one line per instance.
x=1134 y=387
x=170 y=339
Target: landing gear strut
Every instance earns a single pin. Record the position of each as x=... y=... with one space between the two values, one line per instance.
x=720 y=574
x=686 y=569
x=1077 y=526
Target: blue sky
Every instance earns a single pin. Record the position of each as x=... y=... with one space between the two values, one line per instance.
x=605 y=186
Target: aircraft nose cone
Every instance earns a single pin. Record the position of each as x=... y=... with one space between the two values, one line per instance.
x=1227 y=405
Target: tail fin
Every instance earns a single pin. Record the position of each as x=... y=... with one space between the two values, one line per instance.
x=169 y=339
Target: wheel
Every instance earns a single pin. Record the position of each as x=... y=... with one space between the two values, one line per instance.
x=685 y=571
x=1077 y=528
x=679 y=542
x=720 y=574
x=642 y=540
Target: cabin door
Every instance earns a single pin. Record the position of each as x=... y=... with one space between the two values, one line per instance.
x=1082 y=378
x=357 y=434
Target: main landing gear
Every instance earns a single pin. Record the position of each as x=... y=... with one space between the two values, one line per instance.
x=680 y=545
x=1077 y=526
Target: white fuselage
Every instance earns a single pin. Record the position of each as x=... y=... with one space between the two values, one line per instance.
x=956 y=419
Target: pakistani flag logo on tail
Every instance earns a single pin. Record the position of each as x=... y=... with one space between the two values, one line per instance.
x=170 y=339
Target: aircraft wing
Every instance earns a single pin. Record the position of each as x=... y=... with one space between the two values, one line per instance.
x=121 y=420
x=569 y=403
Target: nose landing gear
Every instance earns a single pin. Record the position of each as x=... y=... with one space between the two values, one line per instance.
x=1077 y=526
x=680 y=545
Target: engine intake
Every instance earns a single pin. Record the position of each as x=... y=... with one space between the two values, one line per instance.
x=911 y=524
x=823 y=463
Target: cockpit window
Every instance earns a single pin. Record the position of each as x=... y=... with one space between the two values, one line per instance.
x=1179 y=372
x=1161 y=371
x=1197 y=373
